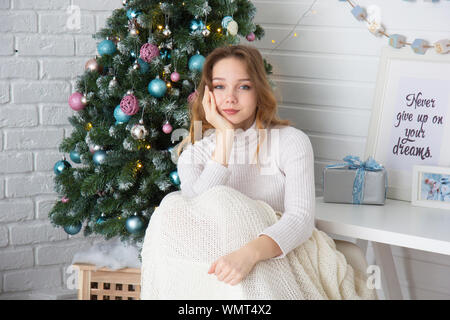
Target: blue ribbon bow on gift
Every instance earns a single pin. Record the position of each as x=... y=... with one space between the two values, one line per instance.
x=354 y=162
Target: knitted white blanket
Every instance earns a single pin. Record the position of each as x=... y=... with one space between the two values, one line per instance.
x=186 y=235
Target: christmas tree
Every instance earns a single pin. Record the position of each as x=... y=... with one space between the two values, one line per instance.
x=130 y=98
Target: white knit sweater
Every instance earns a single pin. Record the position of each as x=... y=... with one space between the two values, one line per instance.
x=285 y=181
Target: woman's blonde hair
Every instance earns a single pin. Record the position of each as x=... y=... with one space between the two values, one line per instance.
x=266 y=112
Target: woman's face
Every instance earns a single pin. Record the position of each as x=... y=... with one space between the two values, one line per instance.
x=233 y=89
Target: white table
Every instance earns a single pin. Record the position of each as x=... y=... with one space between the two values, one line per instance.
x=395 y=223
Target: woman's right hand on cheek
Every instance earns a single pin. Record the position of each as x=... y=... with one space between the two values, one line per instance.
x=211 y=113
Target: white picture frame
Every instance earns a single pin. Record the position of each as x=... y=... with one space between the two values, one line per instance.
x=428 y=189
x=402 y=71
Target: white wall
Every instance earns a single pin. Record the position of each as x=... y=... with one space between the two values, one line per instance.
x=326 y=78
x=35 y=84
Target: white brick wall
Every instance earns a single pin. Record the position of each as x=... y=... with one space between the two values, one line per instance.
x=333 y=61
x=40 y=59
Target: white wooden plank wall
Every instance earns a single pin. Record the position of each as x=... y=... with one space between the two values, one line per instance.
x=326 y=79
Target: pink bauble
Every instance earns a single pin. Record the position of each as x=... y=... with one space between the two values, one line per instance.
x=175 y=76
x=64 y=199
x=167 y=128
x=75 y=101
x=148 y=52
x=251 y=36
x=192 y=96
x=129 y=105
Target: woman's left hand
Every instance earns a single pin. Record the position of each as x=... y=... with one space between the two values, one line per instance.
x=234 y=267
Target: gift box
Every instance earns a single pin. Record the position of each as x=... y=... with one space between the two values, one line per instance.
x=355 y=182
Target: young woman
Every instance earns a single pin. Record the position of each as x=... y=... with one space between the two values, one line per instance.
x=237 y=106
x=247 y=200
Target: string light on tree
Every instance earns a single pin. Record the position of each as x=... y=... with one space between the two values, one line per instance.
x=139 y=165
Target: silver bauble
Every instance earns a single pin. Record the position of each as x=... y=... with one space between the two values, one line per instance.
x=166 y=32
x=84 y=100
x=92 y=65
x=136 y=65
x=138 y=131
x=113 y=83
x=206 y=32
x=130 y=92
x=134 y=32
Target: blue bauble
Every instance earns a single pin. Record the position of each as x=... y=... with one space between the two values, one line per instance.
x=134 y=224
x=75 y=156
x=164 y=54
x=73 y=229
x=196 y=62
x=143 y=66
x=60 y=166
x=195 y=25
x=175 y=178
x=131 y=13
x=99 y=157
x=225 y=21
x=133 y=54
x=157 y=88
x=120 y=116
x=106 y=47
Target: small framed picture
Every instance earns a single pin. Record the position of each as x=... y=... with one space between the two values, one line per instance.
x=431 y=187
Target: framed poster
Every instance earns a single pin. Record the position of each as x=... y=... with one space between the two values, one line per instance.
x=431 y=187
x=409 y=124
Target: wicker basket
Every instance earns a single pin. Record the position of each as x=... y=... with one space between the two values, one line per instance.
x=105 y=284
